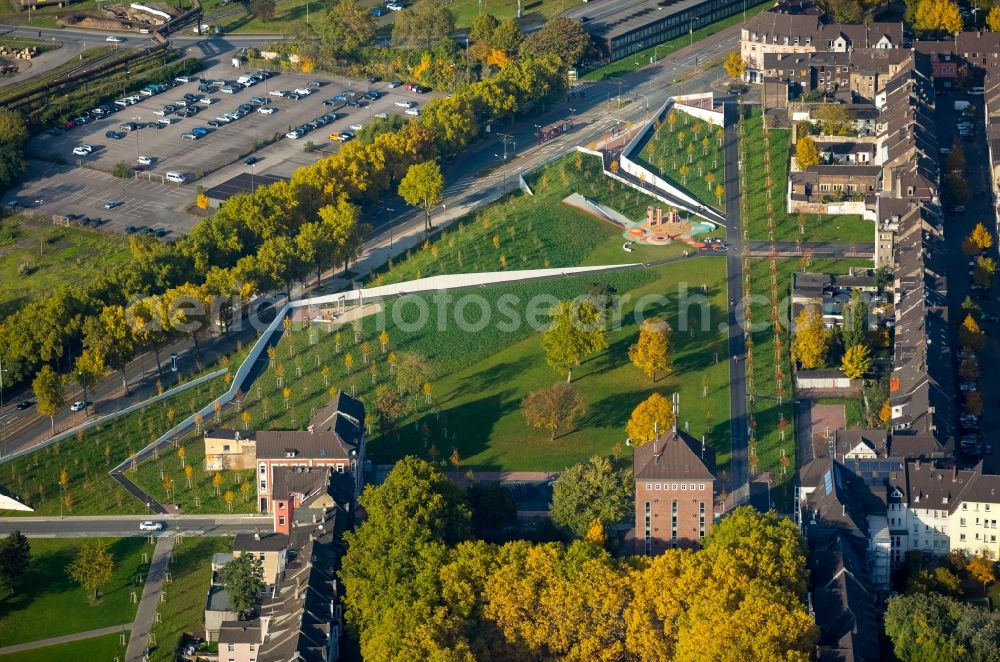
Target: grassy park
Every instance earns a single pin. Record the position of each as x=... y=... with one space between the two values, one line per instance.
x=687 y=152
x=38 y=258
x=531 y=232
x=46 y=603
x=765 y=173
x=190 y=573
x=107 y=647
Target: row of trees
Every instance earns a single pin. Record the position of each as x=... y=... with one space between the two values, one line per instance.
x=267 y=239
x=13 y=136
x=417 y=586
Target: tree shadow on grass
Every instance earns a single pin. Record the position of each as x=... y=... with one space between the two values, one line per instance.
x=614 y=411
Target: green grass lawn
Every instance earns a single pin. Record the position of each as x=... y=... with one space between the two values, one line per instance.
x=88 y=457
x=767 y=216
x=762 y=372
x=688 y=153
x=627 y=64
x=184 y=610
x=537 y=231
x=103 y=648
x=47 y=604
x=482 y=376
x=37 y=258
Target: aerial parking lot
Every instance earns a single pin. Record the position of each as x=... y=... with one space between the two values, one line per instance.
x=204 y=130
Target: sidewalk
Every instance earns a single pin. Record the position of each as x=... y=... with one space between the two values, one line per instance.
x=65 y=639
x=150 y=602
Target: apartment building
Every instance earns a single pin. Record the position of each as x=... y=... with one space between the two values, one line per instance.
x=857 y=75
x=334 y=439
x=778 y=32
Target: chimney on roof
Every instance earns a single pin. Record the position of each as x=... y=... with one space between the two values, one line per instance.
x=954 y=473
x=311 y=428
x=677 y=409
x=917 y=466
x=843 y=509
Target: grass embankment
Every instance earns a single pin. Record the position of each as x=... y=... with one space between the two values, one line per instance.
x=766 y=208
x=38 y=258
x=184 y=610
x=482 y=375
x=89 y=456
x=107 y=647
x=532 y=232
x=688 y=153
x=48 y=604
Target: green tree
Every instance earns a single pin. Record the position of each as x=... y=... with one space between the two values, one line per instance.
x=49 y=397
x=983 y=570
x=931 y=626
x=15 y=557
x=592 y=490
x=847 y=11
x=483 y=27
x=423 y=187
x=277 y=263
x=561 y=37
x=559 y=406
x=423 y=24
x=93 y=567
x=856 y=362
x=811 y=341
x=577 y=331
x=806 y=153
x=390 y=408
x=734 y=65
x=986 y=268
x=13 y=136
x=346 y=26
x=243 y=579
x=112 y=337
x=263 y=9
x=89 y=367
x=508 y=37
x=316 y=244
x=856 y=320
x=412 y=372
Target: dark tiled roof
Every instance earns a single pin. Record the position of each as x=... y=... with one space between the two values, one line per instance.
x=267 y=542
x=309 y=482
x=240 y=632
x=675 y=455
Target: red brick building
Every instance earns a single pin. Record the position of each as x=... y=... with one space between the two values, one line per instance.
x=674 y=488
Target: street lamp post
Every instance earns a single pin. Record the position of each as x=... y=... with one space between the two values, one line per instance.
x=136 y=119
x=253 y=171
x=1 y=381
x=656 y=52
x=691 y=28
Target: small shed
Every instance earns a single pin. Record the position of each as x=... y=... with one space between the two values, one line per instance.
x=821 y=379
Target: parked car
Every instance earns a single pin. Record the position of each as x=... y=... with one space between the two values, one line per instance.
x=159 y=233
x=83 y=150
x=250 y=160
x=114 y=135
x=111 y=204
x=405 y=104
x=413 y=111
x=378 y=11
x=344 y=136
x=357 y=127
x=394 y=84
x=267 y=110
x=144 y=161
x=150 y=526
x=382 y=116
x=293 y=135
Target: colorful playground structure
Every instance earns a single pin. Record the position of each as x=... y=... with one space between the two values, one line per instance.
x=657 y=229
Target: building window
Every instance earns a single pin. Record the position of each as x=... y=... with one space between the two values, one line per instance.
x=648 y=529
x=263 y=484
x=263 y=469
x=340 y=468
x=232 y=648
x=649 y=486
x=673 y=522
x=658 y=487
x=225 y=448
x=961 y=537
x=701 y=519
x=281 y=520
x=281 y=505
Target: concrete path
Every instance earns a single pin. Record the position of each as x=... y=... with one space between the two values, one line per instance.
x=149 y=604
x=65 y=639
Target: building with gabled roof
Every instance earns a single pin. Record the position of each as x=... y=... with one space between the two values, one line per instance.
x=674 y=491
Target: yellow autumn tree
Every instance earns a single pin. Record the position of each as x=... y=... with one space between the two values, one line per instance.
x=980 y=237
x=652 y=416
x=652 y=353
x=811 y=341
x=806 y=153
x=595 y=533
x=734 y=65
x=885 y=414
x=993 y=19
x=970 y=334
x=938 y=16
x=856 y=362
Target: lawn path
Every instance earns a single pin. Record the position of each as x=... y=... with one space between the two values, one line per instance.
x=150 y=602
x=65 y=639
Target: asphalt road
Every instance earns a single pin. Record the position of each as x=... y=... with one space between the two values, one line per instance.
x=86 y=527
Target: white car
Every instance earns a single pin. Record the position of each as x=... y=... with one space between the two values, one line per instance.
x=83 y=150
x=266 y=110
x=79 y=405
x=413 y=111
x=149 y=525
x=394 y=7
x=208 y=101
x=144 y=161
x=303 y=91
x=357 y=127
x=115 y=40
x=405 y=104
x=277 y=93
x=293 y=135
x=382 y=116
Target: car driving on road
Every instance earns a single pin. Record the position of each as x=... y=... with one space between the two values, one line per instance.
x=150 y=525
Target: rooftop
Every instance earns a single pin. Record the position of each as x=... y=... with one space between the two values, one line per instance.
x=674 y=455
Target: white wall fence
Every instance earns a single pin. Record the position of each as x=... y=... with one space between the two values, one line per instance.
x=72 y=432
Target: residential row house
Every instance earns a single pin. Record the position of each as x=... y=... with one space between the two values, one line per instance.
x=856 y=76
x=334 y=439
x=781 y=32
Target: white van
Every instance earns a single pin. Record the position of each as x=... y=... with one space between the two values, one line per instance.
x=244 y=80
x=176 y=177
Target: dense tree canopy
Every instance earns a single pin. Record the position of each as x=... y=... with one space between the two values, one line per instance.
x=589 y=491
x=931 y=626
x=417 y=588
x=562 y=37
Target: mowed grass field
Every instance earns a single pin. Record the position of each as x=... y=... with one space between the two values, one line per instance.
x=107 y=647
x=537 y=231
x=37 y=258
x=46 y=603
x=184 y=610
x=773 y=222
